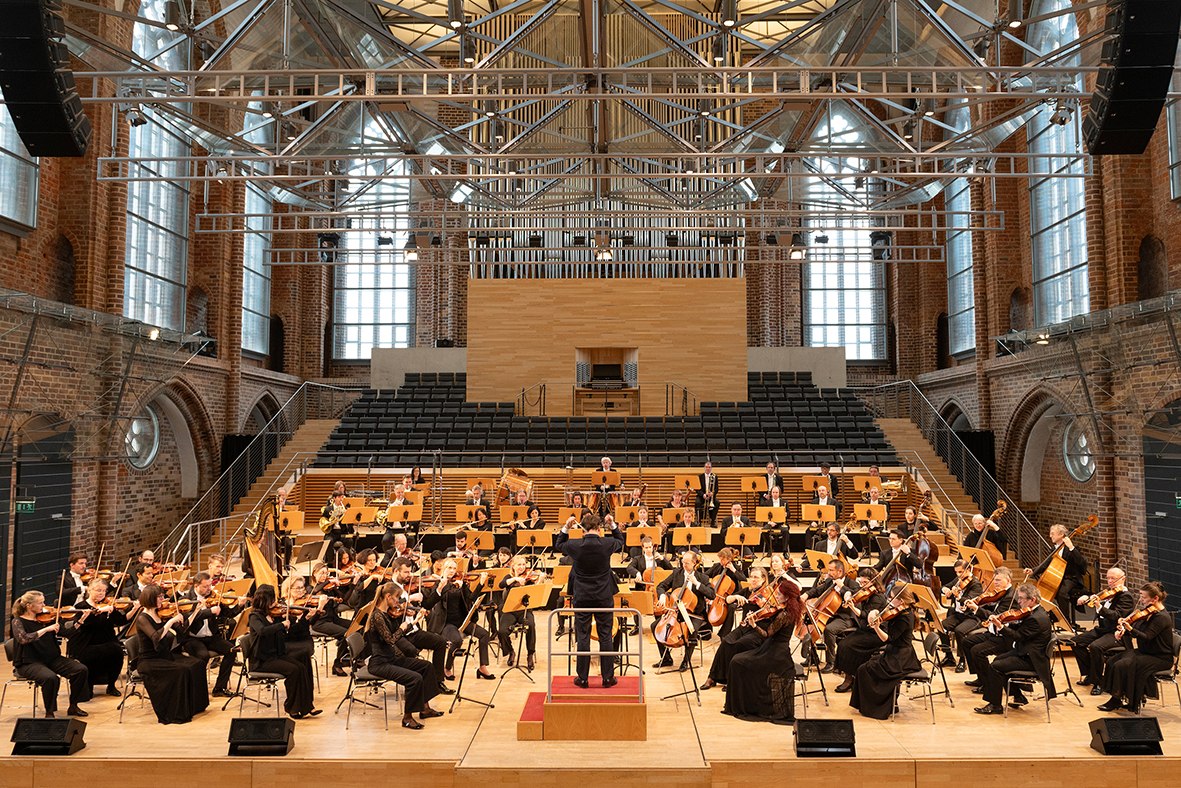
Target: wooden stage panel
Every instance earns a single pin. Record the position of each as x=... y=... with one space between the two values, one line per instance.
x=691 y=332
x=835 y=771
x=366 y=770
x=1110 y=772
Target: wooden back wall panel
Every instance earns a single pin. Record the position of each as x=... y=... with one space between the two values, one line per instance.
x=691 y=332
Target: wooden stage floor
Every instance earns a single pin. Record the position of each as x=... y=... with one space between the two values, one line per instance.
x=687 y=745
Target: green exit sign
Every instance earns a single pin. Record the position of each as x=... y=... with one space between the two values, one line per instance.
x=26 y=506
x=1178 y=499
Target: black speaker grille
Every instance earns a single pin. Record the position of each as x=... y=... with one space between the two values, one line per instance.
x=1143 y=729
x=835 y=731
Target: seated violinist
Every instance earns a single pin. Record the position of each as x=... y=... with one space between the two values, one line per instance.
x=740 y=638
x=1092 y=648
x=456 y=599
x=959 y=621
x=844 y=620
x=519 y=575
x=857 y=647
x=1027 y=635
x=38 y=656
x=268 y=628
x=383 y=631
x=307 y=613
x=978 y=645
x=877 y=678
x=419 y=597
x=205 y=630
x=331 y=624
x=1132 y=673
x=74 y=587
x=370 y=576
x=216 y=568
x=175 y=682
x=95 y=642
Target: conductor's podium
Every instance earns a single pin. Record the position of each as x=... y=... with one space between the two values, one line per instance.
x=594 y=714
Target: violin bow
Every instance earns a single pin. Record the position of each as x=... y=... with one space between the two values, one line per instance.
x=61 y=589
x=99 y=565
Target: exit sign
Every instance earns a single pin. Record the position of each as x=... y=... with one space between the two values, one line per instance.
x=26 y=506
x=1178 y=499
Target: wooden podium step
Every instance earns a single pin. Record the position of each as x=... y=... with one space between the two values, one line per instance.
x=593 y=714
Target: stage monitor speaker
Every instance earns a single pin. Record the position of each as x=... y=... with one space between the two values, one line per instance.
x=1137 y=66
x=259 y=736
x=37 y=736
x=824 y=739
x=1126 y=736
x=37 y=82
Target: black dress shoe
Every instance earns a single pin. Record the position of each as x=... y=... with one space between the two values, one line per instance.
x=829 y=669
x=114 y=692
x=989 y=708
x=219 y=693
x=845 y=686
x=1017 y=701
x=709 y=684
x=529 y=662
x=1083 y=682
x=974 y=683
x=684 y=666
x=445 y=690
x=582 y=683
x=412 y=724
x=611 y=682
x=948 y=662
x=1096 y=690
x=977 y=690
x=664 y=663
x=430 y=714
x=1112 y=705
x=486 y=676
x=960 y=667
x=74 y=711
x=337 y=670
x=512 y=659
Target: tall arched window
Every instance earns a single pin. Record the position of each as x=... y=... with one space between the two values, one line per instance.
x=961 y=302
x=374 y=304
x=844 y=287
x=18 y=176
x=256 y=269
x=1056 y=200
x=156 y=259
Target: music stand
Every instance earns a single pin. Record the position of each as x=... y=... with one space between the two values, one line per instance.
x=870 y=511
x=626 y=514
x=492 y=582
x=575 y=533
x=641 y=601
x=862 y=484
x=465 y=513
x=741 y=536
x=1056 y=614
x=311 y=553
x=512 y=514
x=772 y=515
x=673 y=515
x=413 y=497
x=980 y=559
x=359 y=618
x=924 y=597
x=527 y=598
x=486 y=484
x=291 y=521
x=469 y=627
x=601 y=479
x=691 y=638
x=809 y=483
x=691 y=536
x=566 y=512
x=687 y=481
x=635 y=535
x=241 y=625
x=480 y=540
x=534 y=538
x=811 y=512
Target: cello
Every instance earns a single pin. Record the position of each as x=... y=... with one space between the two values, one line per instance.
x=1047 y=584
x=724 y=586
x=671 y=630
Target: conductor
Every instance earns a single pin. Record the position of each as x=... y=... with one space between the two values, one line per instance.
x=594 y=586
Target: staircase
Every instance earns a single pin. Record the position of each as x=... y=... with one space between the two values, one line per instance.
x=306 y=440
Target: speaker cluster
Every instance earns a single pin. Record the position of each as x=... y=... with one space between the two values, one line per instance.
x=1134 y=75
x=36 y=79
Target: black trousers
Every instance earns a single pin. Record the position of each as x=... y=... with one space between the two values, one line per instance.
x=47 y=674
x=518 y=617
x=996 y=674
x=834 y=631
x=325 y=628
x=415 y=675
x=855 y=650
x=104 y=661
x=204 y=648
x=436 y=644
x=1091 y=649
x=956 y=625
x=979 y=646
x=582 y=627
x=453 y=636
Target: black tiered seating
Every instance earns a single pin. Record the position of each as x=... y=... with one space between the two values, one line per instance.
x=786 y=416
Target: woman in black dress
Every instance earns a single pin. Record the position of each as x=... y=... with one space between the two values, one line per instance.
x=385 y=626
x=456 y=599
x=96 y=642
x=175 y=682
x=269 y=654
x=739 y=638
x=1130 y=672
x=876 y=681
x=751 y=693
x=38 y=656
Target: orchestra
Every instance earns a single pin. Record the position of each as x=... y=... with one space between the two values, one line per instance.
x=861 y=622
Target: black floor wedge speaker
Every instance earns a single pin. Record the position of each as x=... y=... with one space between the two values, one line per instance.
x=1126 y=736
x=257 y=736
x=825 y=739
x=38 y=736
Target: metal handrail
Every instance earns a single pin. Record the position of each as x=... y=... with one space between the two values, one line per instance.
x=315 y=399
x=687 y=398
x=904 y=400
x=523 y=401
x=569 y=611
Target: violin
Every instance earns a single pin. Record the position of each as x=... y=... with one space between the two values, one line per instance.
x=960 y=586
x=862 y=596
x=1141 y=614
x=286 y=609
x=1016 y=614
x=987 y=598
x=49 y=615
x=891 y=613
x=102 y=574
x=1103 y=596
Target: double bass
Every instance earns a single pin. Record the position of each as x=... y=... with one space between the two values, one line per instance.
x=985 y=544
x=1047 y=584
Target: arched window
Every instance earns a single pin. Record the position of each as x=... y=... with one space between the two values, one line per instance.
x=156 y=259
x=1057 y=202
x=844 y=286
x=374 y=304
x=18 y=176
x=961 y=302
x=256 y=269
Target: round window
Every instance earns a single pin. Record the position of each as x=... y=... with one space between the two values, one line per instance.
x=142 y=440
x=1077 y=453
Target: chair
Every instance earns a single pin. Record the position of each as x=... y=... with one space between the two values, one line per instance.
x=926 y=677
x=134 y=680
x=10 y=655
x=361 y=679
x=1168 y=675
x=255 y=678
x=1022 y=678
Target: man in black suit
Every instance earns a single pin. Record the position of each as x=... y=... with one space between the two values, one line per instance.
x=836 y=543
x=205 y=636
x=822 y=497
x=594 y=586
x=73 y=588
x=707 y=493
x=1029 y=638
x=774 y=480
x=737 y=520
x=647 y=559
x=832 y=480
x=1076 y=567
x=1092 y=647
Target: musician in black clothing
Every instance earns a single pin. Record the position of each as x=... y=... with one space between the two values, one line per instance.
x=774 y=480
x=858 y=646
x=1091 y=648
x=269 y=632
x=38 y=655
x=740 y=638
x=1072 y=577
x=335 y=511
x=205 y=633
x=727 y=564
x=707 y=493
x=641 y=521
x=1130 y=673
x=959 y=620
x=419 y=601
x=647 y=559
x=331 y=624
x=477 y=499
x=519 y=575
x=985 y=530
x=593 y=585
x=370 y=577
x=831 y=481
x=836 y=543
x=843 y=621
x=96 y=641
x=73 y=588
x=736 y=520
x=383 y=631
x=688 y=576
x=1027 y=639
x=456 y=598
x=775 y=500
x=978 y=645
x=605 y=490
x=897 y=558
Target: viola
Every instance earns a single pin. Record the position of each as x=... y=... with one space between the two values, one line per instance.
x=51 y=614
x=891 y=613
